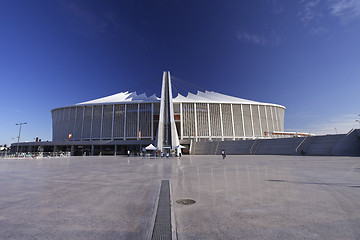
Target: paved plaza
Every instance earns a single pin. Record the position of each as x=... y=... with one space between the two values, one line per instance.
x=241 y=197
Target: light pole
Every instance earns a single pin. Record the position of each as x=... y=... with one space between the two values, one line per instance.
x=17 y=148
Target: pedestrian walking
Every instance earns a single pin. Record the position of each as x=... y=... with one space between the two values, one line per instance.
x=223 y=154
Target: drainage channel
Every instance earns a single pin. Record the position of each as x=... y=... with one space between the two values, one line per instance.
x=162 y=225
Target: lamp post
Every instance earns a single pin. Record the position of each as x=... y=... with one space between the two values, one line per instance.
x=17 y=148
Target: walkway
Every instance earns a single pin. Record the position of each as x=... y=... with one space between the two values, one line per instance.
x=242 y=197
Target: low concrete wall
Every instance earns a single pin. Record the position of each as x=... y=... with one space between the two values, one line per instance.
x=349 y=145
x=214 y=148
x=327 y=145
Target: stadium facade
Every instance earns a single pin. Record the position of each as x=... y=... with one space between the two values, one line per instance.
x=130 y=121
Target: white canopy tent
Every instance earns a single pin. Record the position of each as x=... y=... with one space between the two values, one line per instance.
x=151 y=147
x=180 y=146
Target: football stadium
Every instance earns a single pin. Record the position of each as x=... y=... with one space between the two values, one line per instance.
x=130 y=121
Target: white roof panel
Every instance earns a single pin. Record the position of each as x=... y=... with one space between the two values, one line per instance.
x=214 y=97
x=123 y=97
x=211 y=97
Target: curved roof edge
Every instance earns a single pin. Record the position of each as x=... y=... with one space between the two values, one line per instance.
x=214 y=97
x=199 y=97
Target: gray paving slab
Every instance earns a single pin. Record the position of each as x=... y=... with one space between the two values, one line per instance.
x=241 y=197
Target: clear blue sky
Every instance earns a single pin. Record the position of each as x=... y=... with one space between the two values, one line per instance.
x=304 y=55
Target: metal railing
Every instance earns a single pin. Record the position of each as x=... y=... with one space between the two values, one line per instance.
x=255 y=146
x=300 y=144
x=35 y=155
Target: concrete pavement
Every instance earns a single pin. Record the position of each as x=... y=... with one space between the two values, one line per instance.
x=241 y=197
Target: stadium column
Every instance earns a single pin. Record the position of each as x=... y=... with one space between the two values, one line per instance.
x=261 y=131
x=101 y=124
x=272 y=118
x=125 y=122
x=82 y=124
x=152 y=121
x=277 y=121
x=243 y=120
x=68 y=122
x=232 y=120
x=92 y=118
x=62 y=125
x=181 y=122
x=195 y=121
x=137 y=124
x=65 y=124
x=221 y=124
x=74 y=129
x=282 y=119
x=266 y=119
x=112 y=123
x=208 y=112
x=252 y=122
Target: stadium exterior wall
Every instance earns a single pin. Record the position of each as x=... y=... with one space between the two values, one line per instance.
x=139 y=121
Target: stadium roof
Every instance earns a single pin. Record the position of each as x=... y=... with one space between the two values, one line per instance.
x=199 y=97
x=123 y=97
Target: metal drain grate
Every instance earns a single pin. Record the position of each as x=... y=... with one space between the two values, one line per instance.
x=162 y=226
x=185 y=201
